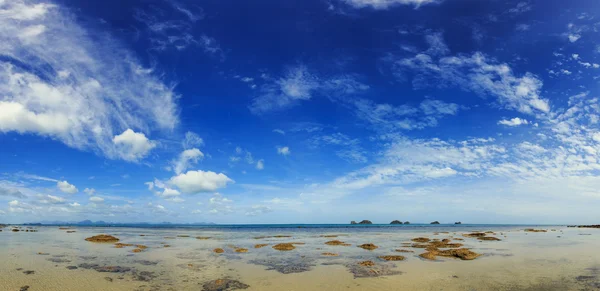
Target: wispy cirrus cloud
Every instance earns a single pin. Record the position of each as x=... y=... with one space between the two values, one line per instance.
x=476 y=73
x=58 y=81
x=299 y=84
x=385 y=4
x=176 y=33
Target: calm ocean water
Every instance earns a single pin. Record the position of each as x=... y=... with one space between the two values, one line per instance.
x=323 y=227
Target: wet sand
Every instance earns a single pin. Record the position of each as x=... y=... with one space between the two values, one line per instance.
x=559 y=259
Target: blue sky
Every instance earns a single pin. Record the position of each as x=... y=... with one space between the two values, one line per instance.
x=319 y=111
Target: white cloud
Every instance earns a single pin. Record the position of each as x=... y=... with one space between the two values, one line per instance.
x=133 y=146
x=260 y=164
x=89 y=191
x=96 y=199
x=513 y=122
x=249 y=159
x=478 y=74
x=9 y=192
x=523 y=27
x=385 y=4
x=300 y=84
x=186 y=159
x=279 y=131
x=74 y=204
x=349 y=149
x=219 y=199
x=192 y=140
x=52 y=199
x=77 y=86
x=65 y=187
x=521 y=7
x=168 y=193
x=200 y=181
x=386 y=117
x=297 y=84
x=284 y=151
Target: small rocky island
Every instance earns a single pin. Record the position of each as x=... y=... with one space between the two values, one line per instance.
x=458 y=222
x=406 y=222
x=435 y=222
x=362 y=222
x=396 y=222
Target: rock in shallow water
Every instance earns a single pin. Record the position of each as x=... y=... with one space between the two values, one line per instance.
x=102 y=238
x=224 y=285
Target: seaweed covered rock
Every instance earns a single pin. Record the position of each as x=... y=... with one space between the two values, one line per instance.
x=489 y=238
x=392 y=258
x=535 y=230
x=368 y=246
x=420 y=239
x=223 y=285
x=474 y=234
x=463 y=254
x=102 y=238
x=284 y=247
x=589 y=226
x=336 y=243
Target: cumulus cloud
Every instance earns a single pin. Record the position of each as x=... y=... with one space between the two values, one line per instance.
x=284 y=151
x=513 y=122
x=96 y=199
x=168 y=193
x=199 y=181
x=133 y=146
x=186 y=159
x=65 y=187
x=385 y=4
x=59 y=79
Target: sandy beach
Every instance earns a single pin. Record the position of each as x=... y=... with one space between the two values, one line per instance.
x=557 y=258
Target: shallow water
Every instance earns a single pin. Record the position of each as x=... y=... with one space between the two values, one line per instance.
x=559 y=259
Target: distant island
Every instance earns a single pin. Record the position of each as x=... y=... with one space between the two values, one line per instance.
x=104 y=223
x=435 y=222
x=362 y=222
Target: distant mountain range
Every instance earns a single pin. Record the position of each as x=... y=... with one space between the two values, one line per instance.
x=103 y=223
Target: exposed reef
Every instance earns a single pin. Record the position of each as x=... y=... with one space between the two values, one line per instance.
x=392 y=258
x=102 y=238
x=368 y=246
x=284 y=247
